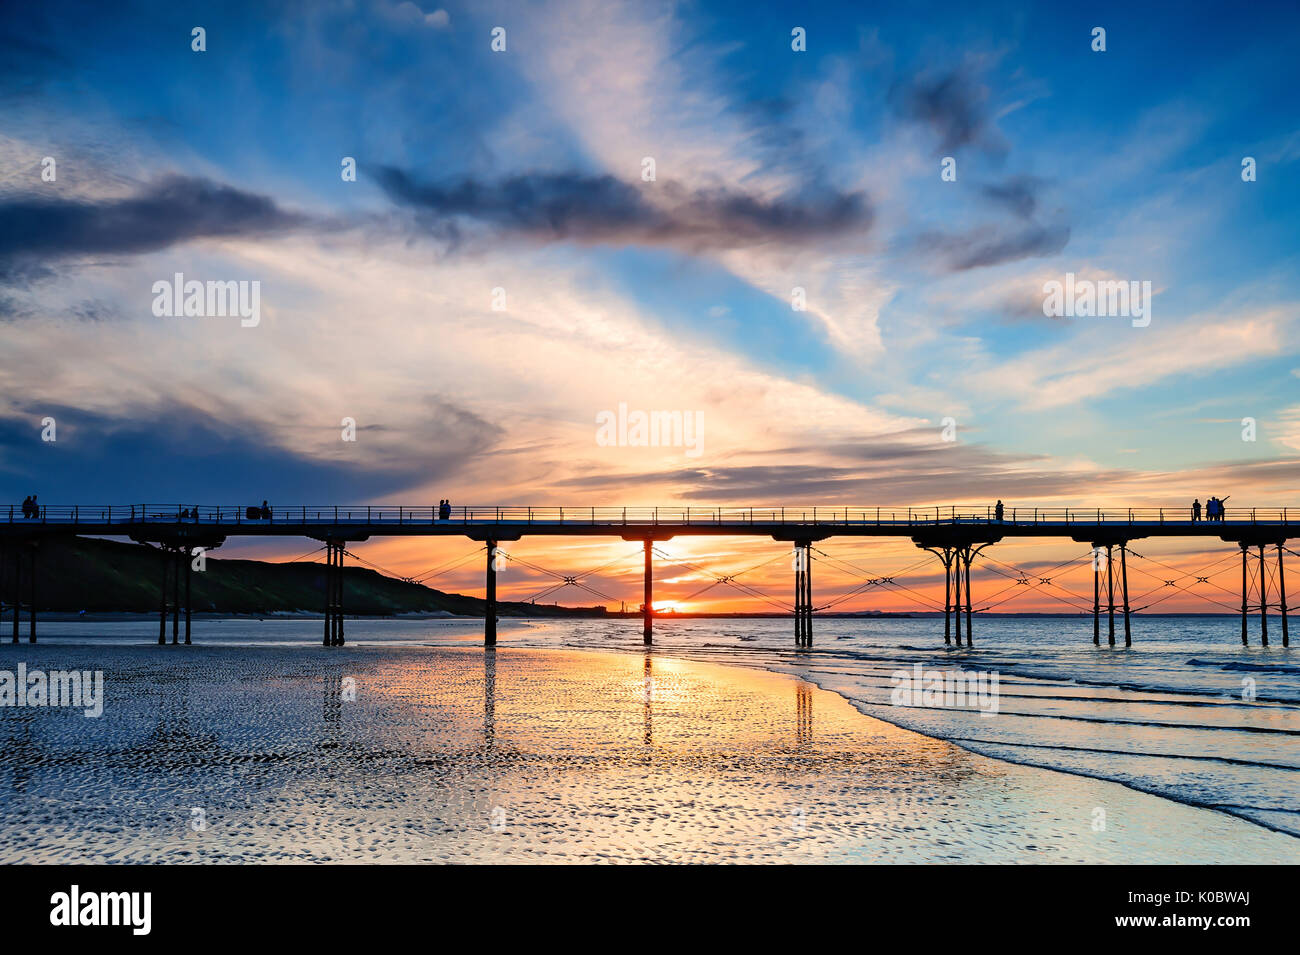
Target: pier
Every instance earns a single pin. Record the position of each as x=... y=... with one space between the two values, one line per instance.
x=959 y=536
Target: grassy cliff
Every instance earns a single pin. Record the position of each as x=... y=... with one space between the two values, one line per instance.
x=81 y=573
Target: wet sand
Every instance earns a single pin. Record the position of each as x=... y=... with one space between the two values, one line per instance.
x=406 y=754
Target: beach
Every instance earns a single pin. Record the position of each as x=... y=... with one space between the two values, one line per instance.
x=415 y=753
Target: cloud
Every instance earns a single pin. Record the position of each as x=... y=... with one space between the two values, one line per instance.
x=179 y=453
x=169 y=211
x=953 y=104
x=995 y=244
x=907 y=467
x=990 y=245
x=1017 y=194
x=602 y=209
x=1094 y=363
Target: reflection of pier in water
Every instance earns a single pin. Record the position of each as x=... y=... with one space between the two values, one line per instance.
x=648 y=681
x=803 y=707
x=489 y=698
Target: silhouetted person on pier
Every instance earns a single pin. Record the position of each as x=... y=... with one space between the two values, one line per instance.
x=444 y=511
x=266 y=511
x=997 y=512
x=1196 y=511
x=32 y=509
x=27 y=506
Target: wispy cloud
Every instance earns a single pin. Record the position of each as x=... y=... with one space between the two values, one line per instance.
x=603 y=209
x=171 y=210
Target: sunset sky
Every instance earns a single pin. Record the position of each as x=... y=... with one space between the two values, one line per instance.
x=522 y=170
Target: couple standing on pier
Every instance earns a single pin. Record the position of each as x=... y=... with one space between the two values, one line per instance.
x=1213 y=510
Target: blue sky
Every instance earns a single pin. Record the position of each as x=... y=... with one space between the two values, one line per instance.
x=775 y=169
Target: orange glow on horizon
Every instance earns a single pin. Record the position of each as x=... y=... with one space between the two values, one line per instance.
x=1007 y=578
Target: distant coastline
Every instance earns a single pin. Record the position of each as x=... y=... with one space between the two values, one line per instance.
x=85 y=577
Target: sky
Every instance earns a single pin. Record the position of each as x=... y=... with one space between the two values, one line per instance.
x=848 y=325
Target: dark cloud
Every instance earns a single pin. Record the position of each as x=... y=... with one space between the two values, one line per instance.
x=185 y=455
x=169 y=211
x=953 y=105
x=994 y=245
x=886 y=471
x=1016 y=194
x=601 y=209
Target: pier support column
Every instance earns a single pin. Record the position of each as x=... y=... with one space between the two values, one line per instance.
x=798 y=596
x=803 y=595
x=189 y=567
x=956 y=593
x=967 y=555
x=333 y=636
x=340 y=549
x=18 y=589
x=1281 y=593
x=327 y=638
x=947 y=593
x=1110 y=591
x=1245 y=642
x=4 y=579
x=490 y=603
x=31 y=602
x=1123 y=572
x=1096 y=595
x=162 y=597
x=647 y=608
x=807 y=597
x=176 y=553
x=1263 y=599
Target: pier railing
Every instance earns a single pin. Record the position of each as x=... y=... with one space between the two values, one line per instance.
x=377 y=514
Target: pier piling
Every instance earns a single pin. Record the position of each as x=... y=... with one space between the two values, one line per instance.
x=176 y=594
x=1281 y=593
x=947 y=594
x=956 y=595
x=803 y=595
x=189 y=566
x=1096 y=595
x=1123 y=571
x=1245 y=591
x=31 y=598
x=490 y=602
x=334 y=550
x=18 y=590
x=647 y=608
x=1263 y=599
x=162 y=597
x=967 y=556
